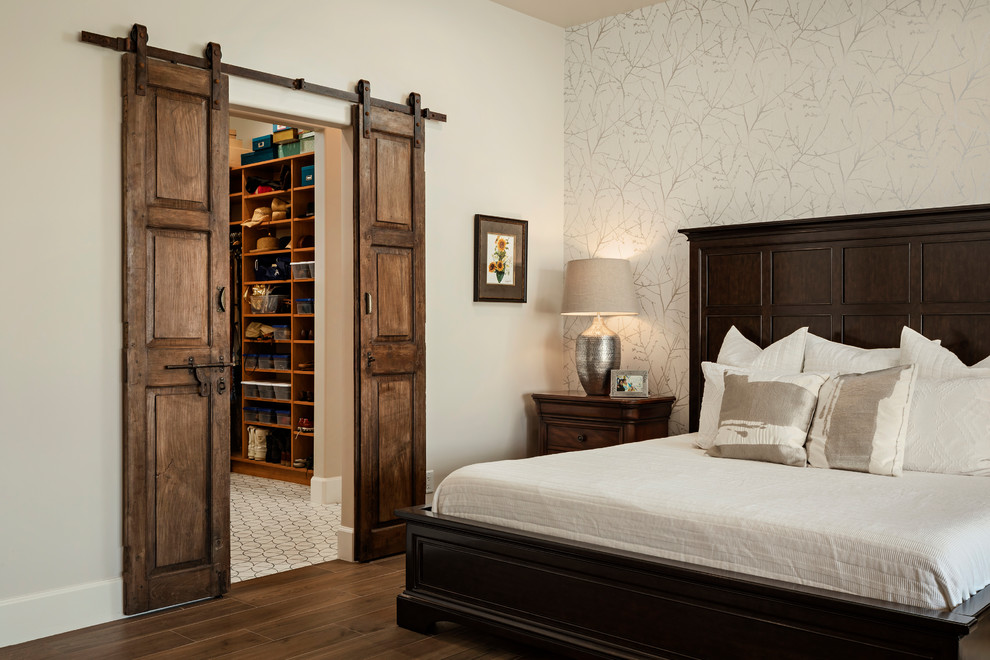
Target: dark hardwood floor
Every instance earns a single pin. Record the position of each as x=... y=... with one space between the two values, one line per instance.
x=331 y=610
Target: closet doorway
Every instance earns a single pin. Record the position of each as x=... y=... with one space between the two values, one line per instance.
x=176 y=330
x=288 y=183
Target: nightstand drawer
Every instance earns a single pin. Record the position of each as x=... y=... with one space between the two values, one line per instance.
x=561 y=437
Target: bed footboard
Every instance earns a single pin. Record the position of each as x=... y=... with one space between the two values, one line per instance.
x=586 y=601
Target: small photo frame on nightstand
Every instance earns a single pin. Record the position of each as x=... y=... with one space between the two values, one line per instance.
x=629 y=384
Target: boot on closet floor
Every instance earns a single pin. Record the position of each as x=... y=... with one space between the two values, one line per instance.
x=261 y=445
x=251 y=443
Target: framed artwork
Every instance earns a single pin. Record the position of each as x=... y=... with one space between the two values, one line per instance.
x=629 y=383
x=499 y=259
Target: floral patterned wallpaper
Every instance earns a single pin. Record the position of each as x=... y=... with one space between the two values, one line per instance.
x=704 y=112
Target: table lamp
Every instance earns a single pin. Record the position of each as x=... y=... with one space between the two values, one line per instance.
x=598 y=287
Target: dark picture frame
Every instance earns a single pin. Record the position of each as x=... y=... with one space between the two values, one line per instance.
x=500 y=256
x=629 y=384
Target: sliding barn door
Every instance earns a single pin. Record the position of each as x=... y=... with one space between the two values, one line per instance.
x=390 y=470
x=176 y=420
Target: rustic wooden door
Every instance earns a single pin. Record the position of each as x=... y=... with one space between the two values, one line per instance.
x=176 y=420
x=390 y=464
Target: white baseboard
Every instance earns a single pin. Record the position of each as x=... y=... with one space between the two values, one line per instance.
x=325 y=490
x=52 y=612
x=345 y=544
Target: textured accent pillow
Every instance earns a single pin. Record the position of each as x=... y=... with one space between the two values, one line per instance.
x=783 y=356
x=935 y=361
x=949 y=427
x=766 y=418
x=861 y=421
x=829 y=357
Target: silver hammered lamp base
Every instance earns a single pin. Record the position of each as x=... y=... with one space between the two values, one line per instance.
x=598 y=352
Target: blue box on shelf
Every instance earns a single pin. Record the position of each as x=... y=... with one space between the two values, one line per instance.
x=252 y=157
x=263 y=142
x=308 y=175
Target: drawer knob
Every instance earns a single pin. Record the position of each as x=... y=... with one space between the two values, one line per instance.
x=581 y=438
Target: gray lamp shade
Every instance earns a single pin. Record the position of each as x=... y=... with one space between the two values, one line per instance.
x=599 y=286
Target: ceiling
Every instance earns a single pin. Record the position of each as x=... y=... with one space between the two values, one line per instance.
x=568 y=13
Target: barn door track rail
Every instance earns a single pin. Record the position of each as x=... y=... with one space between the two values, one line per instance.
x=137 y=42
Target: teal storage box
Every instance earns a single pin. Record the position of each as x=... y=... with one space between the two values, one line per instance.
x=308 y=175
x=252 y=157
x=263 y=142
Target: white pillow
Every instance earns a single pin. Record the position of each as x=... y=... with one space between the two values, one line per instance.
x=861 y=421
x=783 y=356
x=949 y=427
x=934 y=361
x=829 y=357
x=766 y=418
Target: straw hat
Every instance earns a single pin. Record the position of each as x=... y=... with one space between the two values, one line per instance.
x=267 y=243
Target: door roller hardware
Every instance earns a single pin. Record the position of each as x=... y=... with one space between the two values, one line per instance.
x=204 y=385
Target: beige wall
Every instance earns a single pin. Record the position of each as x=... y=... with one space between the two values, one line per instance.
x=496 y=73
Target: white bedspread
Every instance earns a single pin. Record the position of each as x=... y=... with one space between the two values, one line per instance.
x=920 y=539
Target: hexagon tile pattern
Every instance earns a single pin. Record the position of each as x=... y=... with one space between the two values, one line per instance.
x=274 y=527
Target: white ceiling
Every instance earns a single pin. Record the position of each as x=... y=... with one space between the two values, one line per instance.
x=567 y=13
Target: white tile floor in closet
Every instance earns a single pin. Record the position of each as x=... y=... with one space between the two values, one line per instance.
x=274 y=527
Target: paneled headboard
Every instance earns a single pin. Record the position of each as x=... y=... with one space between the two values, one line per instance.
x=853 y=279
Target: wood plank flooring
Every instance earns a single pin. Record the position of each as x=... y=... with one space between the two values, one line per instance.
x=331 y=610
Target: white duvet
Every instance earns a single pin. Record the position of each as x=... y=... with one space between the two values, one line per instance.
x=920 y=539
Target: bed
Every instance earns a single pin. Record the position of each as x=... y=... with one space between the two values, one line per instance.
x=855 y=280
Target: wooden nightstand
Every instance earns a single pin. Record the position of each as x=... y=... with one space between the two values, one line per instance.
x=572 y=420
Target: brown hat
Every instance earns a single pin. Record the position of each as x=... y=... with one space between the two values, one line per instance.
x=267 y=243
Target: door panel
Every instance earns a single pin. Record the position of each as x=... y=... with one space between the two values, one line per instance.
x=395 y=300
x=180 y=311
x=180 y=429
x=396 y=404
x=182 y=148
x=392 y=182
x=176 y=420
x=390 y=465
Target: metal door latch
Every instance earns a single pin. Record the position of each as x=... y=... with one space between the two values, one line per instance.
x=204 y=385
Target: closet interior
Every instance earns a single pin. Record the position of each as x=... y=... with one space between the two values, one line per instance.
x=272 y=262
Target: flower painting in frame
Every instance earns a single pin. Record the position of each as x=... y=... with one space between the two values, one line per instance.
x=499 y=259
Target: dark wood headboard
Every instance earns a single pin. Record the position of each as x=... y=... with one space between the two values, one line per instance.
x=854 y=279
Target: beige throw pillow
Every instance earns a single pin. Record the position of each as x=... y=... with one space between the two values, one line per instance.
x=935 y=361
x=783 y=356
x=766 y=417
x=861 y=422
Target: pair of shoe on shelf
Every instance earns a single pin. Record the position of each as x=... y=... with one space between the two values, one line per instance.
x=305 y=425
x=257 y=443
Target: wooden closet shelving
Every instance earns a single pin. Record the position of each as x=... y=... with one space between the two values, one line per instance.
x=301 y=343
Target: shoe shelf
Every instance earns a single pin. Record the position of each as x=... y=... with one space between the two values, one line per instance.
x=294 y=236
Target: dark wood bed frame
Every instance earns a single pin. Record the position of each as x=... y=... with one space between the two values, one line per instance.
x=854 y=279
